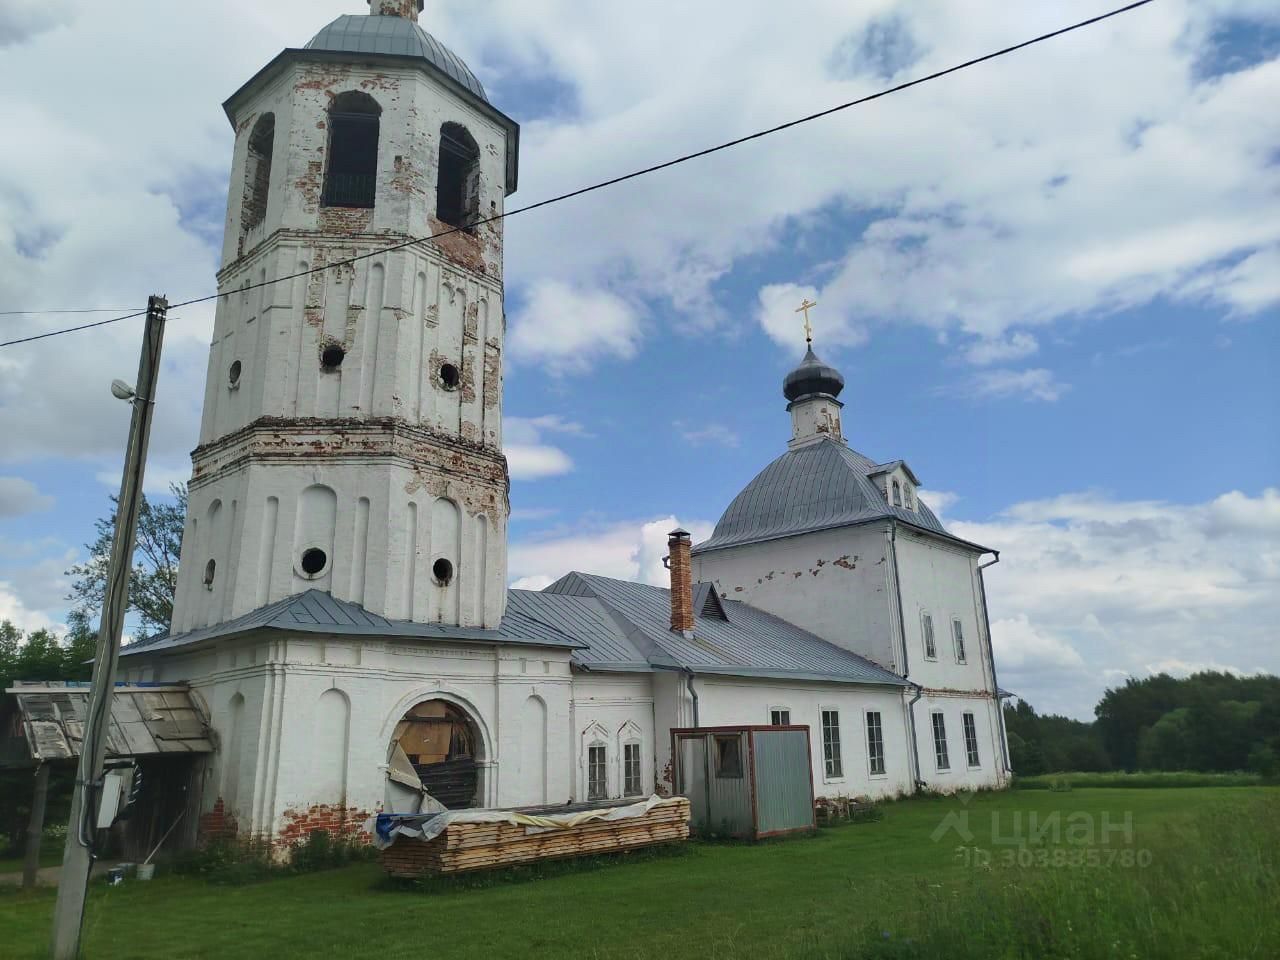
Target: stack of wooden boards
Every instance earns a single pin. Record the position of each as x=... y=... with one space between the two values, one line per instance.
x=482 y=846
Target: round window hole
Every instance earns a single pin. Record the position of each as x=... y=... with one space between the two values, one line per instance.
x=332 y=356
x=442 y=570
x=450 y=376
x=234 y=373
x=210 y=571
x=314 y=561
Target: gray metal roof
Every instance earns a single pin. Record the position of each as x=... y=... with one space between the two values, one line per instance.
x=45 y=721
x=750 y=643
x=814 y=487
x=396 y=37
x=317 y=612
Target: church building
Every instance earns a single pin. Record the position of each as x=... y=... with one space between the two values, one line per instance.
x=342 y=609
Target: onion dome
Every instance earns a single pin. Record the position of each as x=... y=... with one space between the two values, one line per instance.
x=812 y=377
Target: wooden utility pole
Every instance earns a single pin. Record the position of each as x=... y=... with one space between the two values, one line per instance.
x=77 y=861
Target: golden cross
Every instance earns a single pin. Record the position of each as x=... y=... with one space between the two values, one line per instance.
x=805 y=307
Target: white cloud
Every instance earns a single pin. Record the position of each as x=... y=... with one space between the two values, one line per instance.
x=704 y=434
x=18 y=497
x=23 y=19
x=1037 y=384
x=832 y=320
x=630 y=550
x=1129 y=587
x=16 y=612
x=986 y=210
x=160 y=476
x=569 y=329
x=1016 y=346
x=528 y=457
x=939 y=501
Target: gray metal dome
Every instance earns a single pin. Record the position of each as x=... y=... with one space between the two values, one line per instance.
x=815 y=487
x=395 y=36
x=812 y=376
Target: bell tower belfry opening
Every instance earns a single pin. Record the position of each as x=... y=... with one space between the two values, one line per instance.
x=352 y=431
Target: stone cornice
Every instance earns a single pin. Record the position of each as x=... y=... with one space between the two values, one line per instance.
x=348 y=440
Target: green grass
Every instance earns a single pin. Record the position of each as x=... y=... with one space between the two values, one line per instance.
x=1159 y=779
x=1196 y=877
x=50 y=856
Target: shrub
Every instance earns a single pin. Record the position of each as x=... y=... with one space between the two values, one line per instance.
x=228 y=862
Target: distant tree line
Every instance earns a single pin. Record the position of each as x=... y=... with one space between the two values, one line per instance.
x=1210 y=722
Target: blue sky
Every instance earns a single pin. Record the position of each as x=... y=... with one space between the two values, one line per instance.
x=1052 y=285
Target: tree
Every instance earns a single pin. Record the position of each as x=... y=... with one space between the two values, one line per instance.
x=155 y=563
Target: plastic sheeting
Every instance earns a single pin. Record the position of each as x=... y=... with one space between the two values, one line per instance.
x=385 y=827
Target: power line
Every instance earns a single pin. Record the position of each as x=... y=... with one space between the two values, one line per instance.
x=83 y=326
x=37 y=313
x=614 y=181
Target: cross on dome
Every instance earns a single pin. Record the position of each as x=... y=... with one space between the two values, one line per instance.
x=805 y=307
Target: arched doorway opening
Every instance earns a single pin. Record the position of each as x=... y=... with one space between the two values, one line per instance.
x=444 y=747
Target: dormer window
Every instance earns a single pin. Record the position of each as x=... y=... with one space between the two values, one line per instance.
x=908 y=500
x=897 y=494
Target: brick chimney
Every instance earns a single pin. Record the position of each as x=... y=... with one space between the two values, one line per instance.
x=409 y=9
x=679 y=562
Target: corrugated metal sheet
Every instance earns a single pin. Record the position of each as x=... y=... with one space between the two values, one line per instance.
x=397 y=37
x=719 y=806
x=783 y=784
x=317 y=612
x=750 y=643
x=145 y=721
x=814 y=487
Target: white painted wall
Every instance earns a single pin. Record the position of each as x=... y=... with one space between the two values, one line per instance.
x=613 y=709
x=989 y=772
x=835 y=583
x=290 y=748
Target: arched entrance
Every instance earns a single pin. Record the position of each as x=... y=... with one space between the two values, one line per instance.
x=444 y=746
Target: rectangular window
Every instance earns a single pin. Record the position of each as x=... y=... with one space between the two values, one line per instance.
x=729 y=757
x=941 y=759
x=831 y=743
x=780 y=717
x=930 y=647
x=971 y=740
x=597 y=773
x=957 y=634
x=875 y=743
x=631 y=770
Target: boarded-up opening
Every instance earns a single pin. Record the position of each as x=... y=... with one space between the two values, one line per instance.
x=442 y=744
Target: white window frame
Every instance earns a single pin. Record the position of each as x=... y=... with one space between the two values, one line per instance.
x=927 y=635
x=603 y=767
x=638 y=747
x=969 y=724
x=897 y=494
x=827 y=775
x=884 y=757
x=774 y=710
x=629 y=732
x=941 y=749
x=957 y=640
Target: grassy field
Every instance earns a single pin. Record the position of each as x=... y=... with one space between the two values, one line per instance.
x=1134 y=781
x=1194 y=875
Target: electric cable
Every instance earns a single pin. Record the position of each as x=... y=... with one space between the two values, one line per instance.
x=614 y=181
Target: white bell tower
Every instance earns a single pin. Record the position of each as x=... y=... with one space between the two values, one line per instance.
x=351 y=438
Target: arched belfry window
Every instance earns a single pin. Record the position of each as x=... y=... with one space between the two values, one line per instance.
x=352 y=174
x=458 y=180
x=257 y=171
